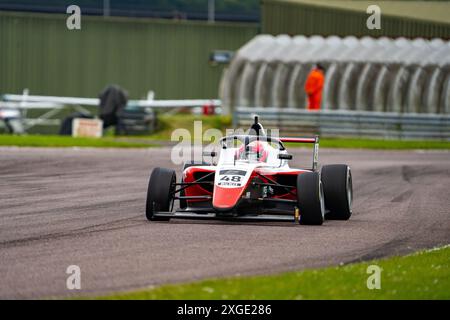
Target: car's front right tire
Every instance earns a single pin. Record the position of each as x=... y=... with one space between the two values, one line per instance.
x=338 y=190
x=160 y=193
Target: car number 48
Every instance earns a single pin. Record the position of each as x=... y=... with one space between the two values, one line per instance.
x=231 y=178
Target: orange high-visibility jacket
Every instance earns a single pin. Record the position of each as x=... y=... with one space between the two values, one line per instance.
x=313 y=87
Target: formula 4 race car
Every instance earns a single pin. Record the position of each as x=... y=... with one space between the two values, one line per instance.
x=253 y=181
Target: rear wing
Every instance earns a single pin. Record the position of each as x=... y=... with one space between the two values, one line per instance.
x=314 y=140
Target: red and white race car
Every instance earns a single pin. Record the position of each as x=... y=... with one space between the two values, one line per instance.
x=253 y=181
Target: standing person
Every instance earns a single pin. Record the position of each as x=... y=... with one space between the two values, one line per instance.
x=314 y=85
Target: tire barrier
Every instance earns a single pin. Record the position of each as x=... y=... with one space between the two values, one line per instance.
x=366 y=74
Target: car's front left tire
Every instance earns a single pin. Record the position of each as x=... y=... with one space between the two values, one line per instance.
x=160 y=193
x=310 y=198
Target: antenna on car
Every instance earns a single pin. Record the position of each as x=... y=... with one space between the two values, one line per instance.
x=257 y=128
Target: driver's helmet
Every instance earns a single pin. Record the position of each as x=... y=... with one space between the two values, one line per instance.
x=256 y=150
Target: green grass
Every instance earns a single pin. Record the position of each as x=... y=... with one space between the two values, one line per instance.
x=149 y=141
x=383 y=144
x=67 y=141
x=423 y=275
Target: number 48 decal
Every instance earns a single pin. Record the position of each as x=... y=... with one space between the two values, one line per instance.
x=231 y=178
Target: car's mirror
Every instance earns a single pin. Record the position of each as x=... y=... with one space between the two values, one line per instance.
x=284 y=156
x=209 y=154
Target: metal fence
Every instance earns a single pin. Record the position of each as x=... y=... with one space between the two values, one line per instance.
x=348 y=123
x=247 y=11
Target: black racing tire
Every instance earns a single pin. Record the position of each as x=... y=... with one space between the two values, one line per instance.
x=187 y=164
x=310 y=198
x=338 y=191
x=159 y=194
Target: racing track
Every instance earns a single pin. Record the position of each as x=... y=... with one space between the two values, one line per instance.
x=60 y=207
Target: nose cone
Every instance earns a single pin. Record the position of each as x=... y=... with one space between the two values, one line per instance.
x=225 y=199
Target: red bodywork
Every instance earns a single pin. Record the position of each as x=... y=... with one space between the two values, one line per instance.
x=227 y=198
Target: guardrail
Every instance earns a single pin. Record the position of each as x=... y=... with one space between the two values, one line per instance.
x=385 y=125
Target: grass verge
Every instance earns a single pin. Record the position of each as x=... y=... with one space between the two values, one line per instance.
x=423 y=275
x=158 y=140
x=67 y=141
x=383 y=144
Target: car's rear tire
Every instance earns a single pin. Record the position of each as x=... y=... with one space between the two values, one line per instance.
x=338 y=191
x=310 y=198
x=187 y=164
x=160 y=193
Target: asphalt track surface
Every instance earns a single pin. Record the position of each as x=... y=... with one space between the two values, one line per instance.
x=85 y=207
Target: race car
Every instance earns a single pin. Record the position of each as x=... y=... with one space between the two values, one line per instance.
x=252 y=180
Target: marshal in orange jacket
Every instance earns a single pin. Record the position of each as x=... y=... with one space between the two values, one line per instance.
x=313 y=87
